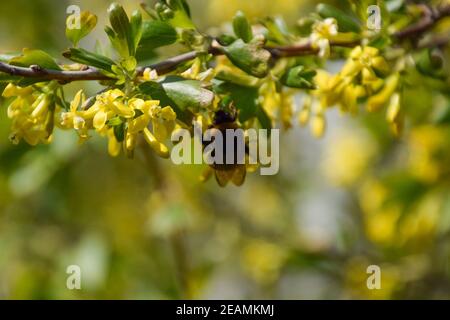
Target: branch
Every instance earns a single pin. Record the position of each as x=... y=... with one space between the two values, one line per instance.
x=162 y=67
x=47 y=74
x=429 y=19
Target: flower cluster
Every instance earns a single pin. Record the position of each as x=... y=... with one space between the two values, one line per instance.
x=122 y=120
x=32 y=114
x=364 y=77
x=35 y=113
x=323 y=31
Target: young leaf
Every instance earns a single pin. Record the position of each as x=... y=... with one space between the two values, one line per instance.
x=242 y=28
x=180 y=15
x=276 y=30
x=88 y=21
x=122 y=27
x=35 y=57
x=346 y=23
x=299 y=77
x=251 y=58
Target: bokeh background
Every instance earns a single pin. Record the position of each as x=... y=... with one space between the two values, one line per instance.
x=147 y=229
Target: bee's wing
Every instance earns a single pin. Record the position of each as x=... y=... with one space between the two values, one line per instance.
x=239 y=175
x=223 y=176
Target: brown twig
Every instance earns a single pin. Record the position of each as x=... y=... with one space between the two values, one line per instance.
x=429 y=19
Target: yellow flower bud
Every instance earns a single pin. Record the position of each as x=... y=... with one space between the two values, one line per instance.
x=150 y=74
x=393 y=110
x=41 y=105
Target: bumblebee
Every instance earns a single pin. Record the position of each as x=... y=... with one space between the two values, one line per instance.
x=226 y=118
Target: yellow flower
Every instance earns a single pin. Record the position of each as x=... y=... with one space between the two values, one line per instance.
x=367 y=61
x=329 y=88
x=350 y=96
x=75 y=118
x=12 y=90
x=157 y=146
x=270 y=99
x=163 y=121
x=428 y=156
x=304 y=114
x=287 y=110
x=114 y=146
x=150 y=75
x=348 y=156
x=32 y=117
x=110 y=104
x=320 y=37
x=263 y=260
x=318 y=125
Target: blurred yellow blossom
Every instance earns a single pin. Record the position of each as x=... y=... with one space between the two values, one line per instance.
x=263 y=260
x=347 y=156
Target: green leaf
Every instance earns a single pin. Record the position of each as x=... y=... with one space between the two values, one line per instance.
x=252 y=58
x=244 y=98
x=346 y=22
x=122 y=28
x=88 y=21
x=430 y=63
x=187 y=93
x=89 y=58
x=119 y=132
x=176 y=12
x=242 y=28
x=35 y=57
x=181 y=94
x=299 y=77
x=157 y=34
x=156 y=91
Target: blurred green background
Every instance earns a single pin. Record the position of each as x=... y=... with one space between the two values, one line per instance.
x=147 y=229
